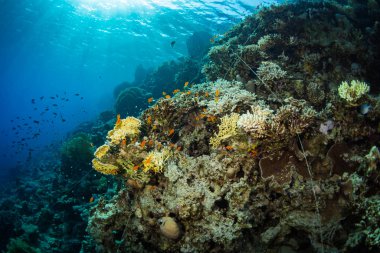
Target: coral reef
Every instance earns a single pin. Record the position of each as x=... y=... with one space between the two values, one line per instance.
x=293 y=49
x=267 y=155
x=269 y=160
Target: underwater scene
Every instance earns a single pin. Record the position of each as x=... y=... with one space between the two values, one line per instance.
x=187 y=126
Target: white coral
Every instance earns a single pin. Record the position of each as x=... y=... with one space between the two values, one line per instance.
x=257 y=122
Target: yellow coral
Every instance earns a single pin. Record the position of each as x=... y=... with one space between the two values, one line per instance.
x=353 y=92
x=105 y=168
x=227 y=128
x=101 y=151
x=155 y=161
x=127 y=127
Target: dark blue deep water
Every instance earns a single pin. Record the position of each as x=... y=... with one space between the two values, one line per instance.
x=60 y=60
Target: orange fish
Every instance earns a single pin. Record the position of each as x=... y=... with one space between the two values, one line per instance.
x=171 y=132
x=167 y=96
x=149 y=120
x=217 y=93
x=91 y=199
x=229 y=148
x=151 y=143
x=176 y=91
x=206 y=94
x=118 y=120
x=150 y=100
x=135 y=168
x=148 y=160
x=179 y=148
x=124 y=142
x=142 y=144
x=187 y=83
x=188 y=93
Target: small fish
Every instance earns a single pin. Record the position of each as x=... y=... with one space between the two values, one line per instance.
x=176 y=91
x=91 y=199
x=149 y=120
x=36 y=121
x=186 y=84
x=148 y=160
x=171 y=132
x=206 y=94
x=52 y=97
x=33 y=101
x=124 y=142
x=217 y=93
x=55 y=105
x=118 y=120
x=150 y=100
x=172 y=43
x=42 y=97
x=229 y=148
x=135 y=168
x=365 y=108
x=81 y=98
x=142 y=144
x=76 y=94
x=188 y=93
x=167 y=96
x=151 y=143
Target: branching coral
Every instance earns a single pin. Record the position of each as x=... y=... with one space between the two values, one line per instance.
x=353 y=92
x=227 y=129
x=256 y=123
x=270 y=72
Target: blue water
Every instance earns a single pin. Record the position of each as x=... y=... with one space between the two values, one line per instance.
x=61 y=59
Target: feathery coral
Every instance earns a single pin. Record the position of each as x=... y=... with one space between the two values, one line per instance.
x=127 y=127
x=353 y=92
x=227 y=128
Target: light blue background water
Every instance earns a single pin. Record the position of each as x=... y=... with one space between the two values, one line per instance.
x=50 y=47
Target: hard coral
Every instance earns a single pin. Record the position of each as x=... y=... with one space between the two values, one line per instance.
x=256 y=123
x=227 y=129
x=353 y=92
